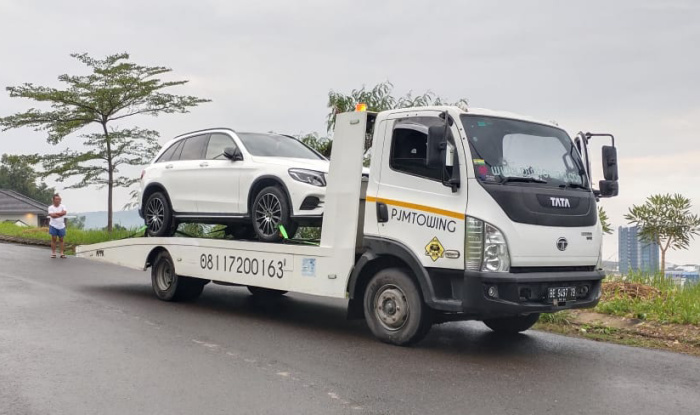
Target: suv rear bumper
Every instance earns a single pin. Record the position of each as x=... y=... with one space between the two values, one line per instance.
x=466 y=293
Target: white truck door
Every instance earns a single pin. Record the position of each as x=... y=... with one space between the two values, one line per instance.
x=421 y=212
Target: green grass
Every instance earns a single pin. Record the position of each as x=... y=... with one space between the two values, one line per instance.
x=562 y=317
x=671 y=304
x=73 y=236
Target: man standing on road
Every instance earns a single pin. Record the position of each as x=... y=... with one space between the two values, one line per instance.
x=57 y=224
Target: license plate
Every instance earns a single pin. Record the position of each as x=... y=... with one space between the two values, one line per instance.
x=561 y=294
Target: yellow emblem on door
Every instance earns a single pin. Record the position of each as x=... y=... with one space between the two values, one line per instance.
x=434 y=249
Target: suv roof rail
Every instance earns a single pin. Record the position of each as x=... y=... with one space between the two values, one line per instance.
x=204 y=131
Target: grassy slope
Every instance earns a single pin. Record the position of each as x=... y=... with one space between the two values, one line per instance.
x=653 y=298
x=73 y=236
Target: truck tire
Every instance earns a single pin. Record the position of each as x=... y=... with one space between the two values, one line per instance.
x=394 y=308
x=270 y=209
x=512 y=325
x=158 y=216
x=266 y=292
x=168 y=286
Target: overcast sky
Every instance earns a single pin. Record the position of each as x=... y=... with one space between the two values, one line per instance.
x=629 y=67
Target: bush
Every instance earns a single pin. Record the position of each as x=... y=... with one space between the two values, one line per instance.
x=652 y=297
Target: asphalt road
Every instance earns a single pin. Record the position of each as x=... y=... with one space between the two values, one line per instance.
x=77 y=337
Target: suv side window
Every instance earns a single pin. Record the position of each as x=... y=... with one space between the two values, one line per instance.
x=170 y=153
x=193 y=149
x=409 y=148
x=217 y=143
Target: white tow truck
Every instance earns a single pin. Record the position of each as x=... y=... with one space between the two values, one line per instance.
x=466 y=215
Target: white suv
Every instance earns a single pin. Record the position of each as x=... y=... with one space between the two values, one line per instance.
x=252 y=182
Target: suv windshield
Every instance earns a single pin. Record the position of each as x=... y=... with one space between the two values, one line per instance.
x=274 y=145
x=507 y=150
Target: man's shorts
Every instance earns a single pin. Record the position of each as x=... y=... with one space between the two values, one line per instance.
x=57 y=232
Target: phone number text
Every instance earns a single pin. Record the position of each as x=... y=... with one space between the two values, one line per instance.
x=273 y=268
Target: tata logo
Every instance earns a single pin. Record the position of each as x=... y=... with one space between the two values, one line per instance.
x=562 y=243
x=560 y=202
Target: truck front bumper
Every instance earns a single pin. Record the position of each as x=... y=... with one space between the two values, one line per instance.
x=480 y=295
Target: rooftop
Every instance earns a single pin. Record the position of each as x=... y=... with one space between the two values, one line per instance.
x=14 y=202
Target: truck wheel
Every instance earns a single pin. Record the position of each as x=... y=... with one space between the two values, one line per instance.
x=394 y=308
x=266 y=292
x=512 y=325
x=270 y=209
x=158 y=216
x=168 y=286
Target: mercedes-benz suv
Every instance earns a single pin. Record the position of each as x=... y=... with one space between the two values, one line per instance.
x=252 y=182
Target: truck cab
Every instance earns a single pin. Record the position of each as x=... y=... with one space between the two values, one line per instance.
x=494 y=213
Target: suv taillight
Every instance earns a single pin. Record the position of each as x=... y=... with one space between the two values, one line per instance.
x=142 y=173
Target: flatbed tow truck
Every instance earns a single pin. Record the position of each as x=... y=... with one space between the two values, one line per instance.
x=466 y=215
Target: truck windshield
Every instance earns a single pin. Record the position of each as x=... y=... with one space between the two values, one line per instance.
x=512 y=151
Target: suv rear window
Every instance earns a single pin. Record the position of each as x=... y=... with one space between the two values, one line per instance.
x=168 y=154
x=193 y=148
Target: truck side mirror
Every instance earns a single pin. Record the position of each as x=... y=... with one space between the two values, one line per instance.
x=609 y=163
x=608 y=188
x=437 y=143
x=233 y=154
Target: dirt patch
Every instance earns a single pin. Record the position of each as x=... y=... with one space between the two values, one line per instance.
x=590 y=318
x=629 y=290
x=683 y=338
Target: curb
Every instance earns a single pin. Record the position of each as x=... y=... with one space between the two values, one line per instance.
x=29 y=241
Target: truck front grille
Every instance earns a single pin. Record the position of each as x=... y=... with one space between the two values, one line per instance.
x=577 y=268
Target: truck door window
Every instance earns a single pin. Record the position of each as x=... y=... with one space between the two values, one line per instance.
x=409 y=145
x=217 y=143
x=193 y=148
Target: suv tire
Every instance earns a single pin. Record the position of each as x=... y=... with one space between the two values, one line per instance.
x=158 y=216
x=269 y=210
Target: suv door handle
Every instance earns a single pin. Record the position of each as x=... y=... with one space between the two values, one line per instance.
x=168 y=166
x=203 y=164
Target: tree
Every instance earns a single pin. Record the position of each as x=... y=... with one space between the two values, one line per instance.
x=78 y=222
x=666 y=220
x=16 y=173
x=604 y=221
x=318 y=143
x=115 y=90
x=379 y=98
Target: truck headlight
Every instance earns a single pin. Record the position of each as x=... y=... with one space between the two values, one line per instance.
x=312 y=177
x=485 y=247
